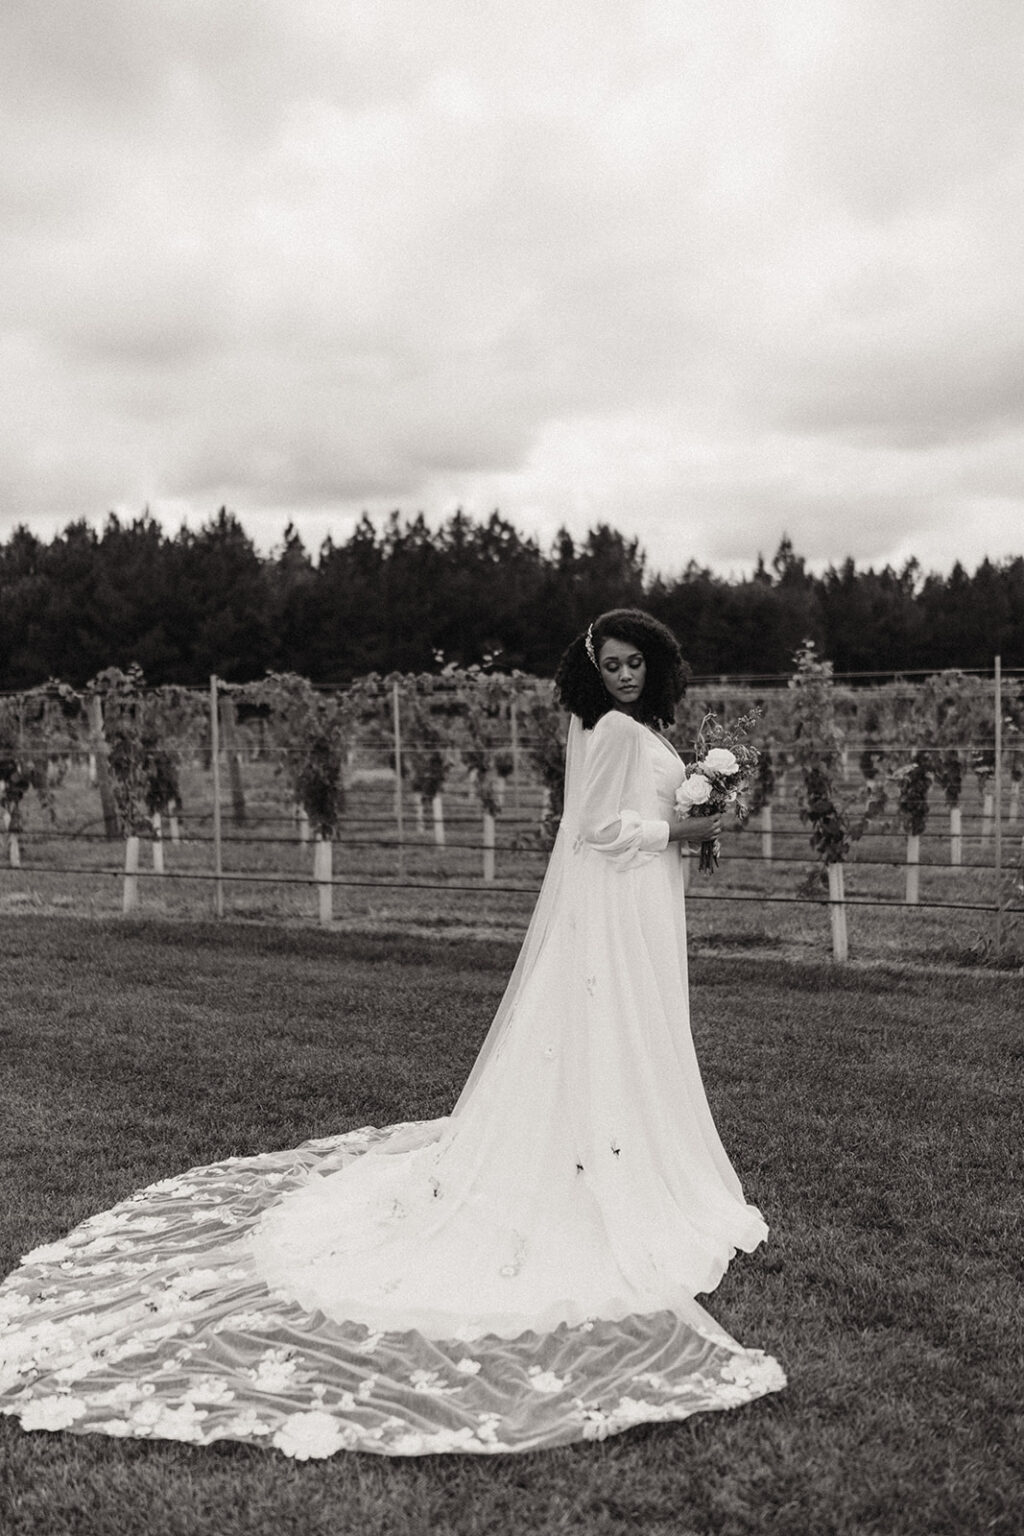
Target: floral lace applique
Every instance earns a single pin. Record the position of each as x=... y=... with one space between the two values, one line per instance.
x=150 y=1320
x=544 y=1381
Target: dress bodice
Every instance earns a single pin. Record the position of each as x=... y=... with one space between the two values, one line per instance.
x=667 y=767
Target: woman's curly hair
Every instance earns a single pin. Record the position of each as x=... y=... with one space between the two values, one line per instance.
x=579 y=685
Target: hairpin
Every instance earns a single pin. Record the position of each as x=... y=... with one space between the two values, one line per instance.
x=588 y=645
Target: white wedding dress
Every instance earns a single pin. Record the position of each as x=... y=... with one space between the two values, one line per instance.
x=521 y=1273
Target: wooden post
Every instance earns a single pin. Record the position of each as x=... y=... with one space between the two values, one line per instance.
x=396 y=715
x=987 y=816
x=956 y=835
x=913 y=869
x=158 y=845
x=94 y=710
x=130 y=900
x=837 y=913
x=766 y=830
x=998 y=795
x=488 y=847
x=218 y=852
x=172 y=816
x=1013 y=813
x=437 y=809
x=323 y=860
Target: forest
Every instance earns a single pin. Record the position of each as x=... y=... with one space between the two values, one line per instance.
x=397 y=596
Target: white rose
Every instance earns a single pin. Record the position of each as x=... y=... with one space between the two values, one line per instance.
x=721 y=760
x=693 y=791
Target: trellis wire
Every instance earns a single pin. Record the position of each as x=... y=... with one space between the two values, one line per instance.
x=244 y=878
x=234 y=839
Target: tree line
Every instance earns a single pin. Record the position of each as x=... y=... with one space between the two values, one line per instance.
x=396 y=596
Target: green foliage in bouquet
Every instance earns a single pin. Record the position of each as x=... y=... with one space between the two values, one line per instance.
x=720 y=777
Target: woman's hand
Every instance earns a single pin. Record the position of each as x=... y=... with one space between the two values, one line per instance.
x=695 y=830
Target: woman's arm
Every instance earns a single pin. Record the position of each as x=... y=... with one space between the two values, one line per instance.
x=612 y=790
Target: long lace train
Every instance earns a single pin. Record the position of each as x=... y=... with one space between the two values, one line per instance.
x=152 y=1320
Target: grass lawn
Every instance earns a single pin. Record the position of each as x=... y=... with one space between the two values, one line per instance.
x=874 y=1115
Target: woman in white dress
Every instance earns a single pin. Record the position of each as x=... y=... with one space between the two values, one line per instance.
x=520 y=1273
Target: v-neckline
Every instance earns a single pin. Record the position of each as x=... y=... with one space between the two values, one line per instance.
x=663 y=739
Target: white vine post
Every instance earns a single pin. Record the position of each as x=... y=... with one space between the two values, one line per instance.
x=130 y=898
x=437 y=811
x=13 y=841
x=956 y=835
x=766 y=830
x=837 y=913
x=323 y=874
x=396 y=716
x=158 y=844
x=912 y=895
x=218 y=852
x=488 y=847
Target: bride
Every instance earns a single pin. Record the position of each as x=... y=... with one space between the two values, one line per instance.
x=518 y=1274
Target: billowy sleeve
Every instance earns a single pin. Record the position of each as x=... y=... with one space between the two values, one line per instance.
x=612 y=791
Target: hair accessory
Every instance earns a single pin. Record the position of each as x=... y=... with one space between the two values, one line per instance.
x=588 y=645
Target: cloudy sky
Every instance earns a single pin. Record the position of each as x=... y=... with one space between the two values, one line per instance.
x=706 y=269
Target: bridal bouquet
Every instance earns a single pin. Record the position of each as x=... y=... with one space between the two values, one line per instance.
x=719 y=777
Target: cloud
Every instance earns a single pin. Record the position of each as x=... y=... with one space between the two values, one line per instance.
x=706 y=272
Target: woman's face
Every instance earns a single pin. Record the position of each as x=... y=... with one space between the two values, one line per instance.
x=623 y=672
